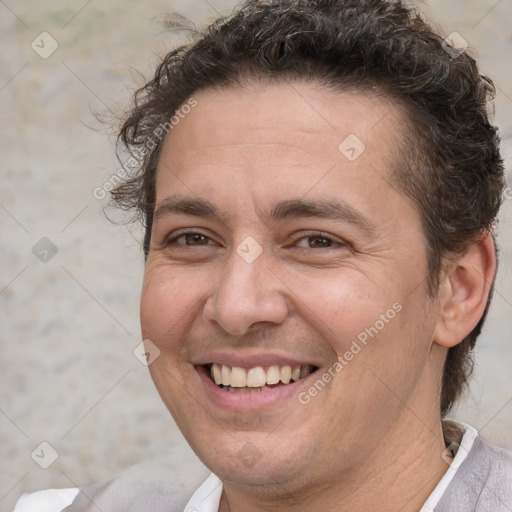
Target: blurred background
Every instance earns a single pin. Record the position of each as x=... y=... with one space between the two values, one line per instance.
x=70 y=279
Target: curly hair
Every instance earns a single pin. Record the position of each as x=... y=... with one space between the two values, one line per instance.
x=449 y=163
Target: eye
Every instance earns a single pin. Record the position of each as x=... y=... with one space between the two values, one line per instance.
x=316 y=241
x=190 y=239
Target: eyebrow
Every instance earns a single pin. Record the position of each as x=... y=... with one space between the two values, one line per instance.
x=293 y=208
x=332 y=210
x=180 y=205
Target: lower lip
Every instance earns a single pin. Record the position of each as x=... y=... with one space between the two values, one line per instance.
x=249 y=400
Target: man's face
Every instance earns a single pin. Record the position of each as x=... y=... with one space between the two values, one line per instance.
x=274 y=246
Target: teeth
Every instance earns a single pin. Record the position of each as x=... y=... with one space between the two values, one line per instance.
x=234 y=378
x=216 y=373
x=273 y=375
x=226 y=375
x=246 y=390
x=256 y=377
x=286 y=374
x=238 y=377
x=304 y=371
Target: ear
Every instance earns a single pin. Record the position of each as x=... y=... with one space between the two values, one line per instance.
x=463 y=292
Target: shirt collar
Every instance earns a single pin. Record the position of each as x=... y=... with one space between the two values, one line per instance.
x=207 y=497
x=461 y=451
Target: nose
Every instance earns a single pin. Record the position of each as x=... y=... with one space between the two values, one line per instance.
x=247 y=295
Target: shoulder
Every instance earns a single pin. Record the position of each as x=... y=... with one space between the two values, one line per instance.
x=50 y=500
x=141 y=487
x=483 y=481
x=496 y=462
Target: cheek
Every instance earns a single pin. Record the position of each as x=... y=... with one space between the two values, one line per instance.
x=377 y=331
x=347 y=307
x=166 y=304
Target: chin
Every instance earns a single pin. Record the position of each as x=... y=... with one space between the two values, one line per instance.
x=254 y=459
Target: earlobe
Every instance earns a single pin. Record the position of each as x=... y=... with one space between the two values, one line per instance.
x=463 y=292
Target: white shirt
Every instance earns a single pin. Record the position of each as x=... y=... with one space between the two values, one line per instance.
x=207 y=497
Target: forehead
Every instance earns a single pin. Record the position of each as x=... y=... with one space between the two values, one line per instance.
x=278 y=139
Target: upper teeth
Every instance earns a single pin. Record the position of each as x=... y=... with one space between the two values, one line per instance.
x=256 y=377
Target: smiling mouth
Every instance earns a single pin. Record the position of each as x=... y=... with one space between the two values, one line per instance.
x=249 y=380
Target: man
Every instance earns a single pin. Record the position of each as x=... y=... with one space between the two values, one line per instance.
x=319 y=186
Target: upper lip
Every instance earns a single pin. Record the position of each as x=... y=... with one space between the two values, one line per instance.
x=251 y=360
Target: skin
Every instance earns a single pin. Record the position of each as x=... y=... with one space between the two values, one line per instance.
x=372 y=438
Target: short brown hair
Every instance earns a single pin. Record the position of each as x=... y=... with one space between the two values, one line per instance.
x=450 y=163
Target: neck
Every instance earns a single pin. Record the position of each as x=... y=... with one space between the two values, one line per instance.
x=403 y=470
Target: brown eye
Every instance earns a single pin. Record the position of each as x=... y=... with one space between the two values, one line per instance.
x=319 y=241
x=191 y=239
x=315 y=242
